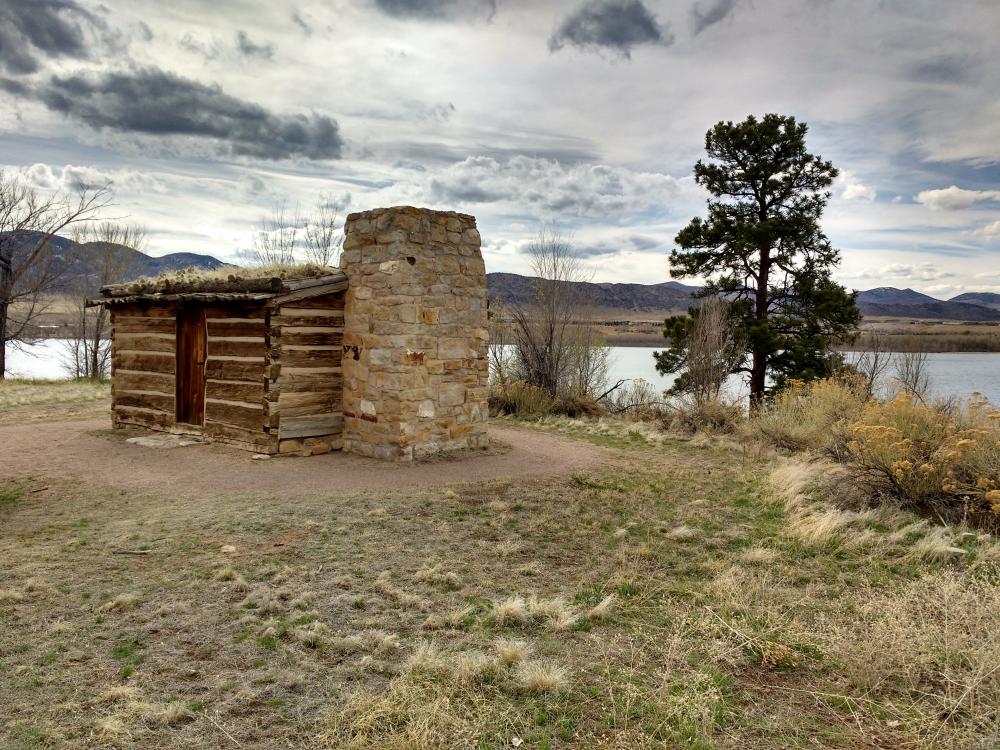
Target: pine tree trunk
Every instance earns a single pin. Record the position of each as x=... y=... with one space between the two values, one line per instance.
x=758 y=368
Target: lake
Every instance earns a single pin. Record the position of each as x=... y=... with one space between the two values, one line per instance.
x=952 y=374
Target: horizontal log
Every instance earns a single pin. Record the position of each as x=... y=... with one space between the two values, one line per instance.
x=337 y=277
x=321 y=383
x=323 y=306
x=236 y=348
x=335 y=320
x=310 y=404
x=134 y=324
x=250 y=416
x=251 y=393
x=138 y=342
x=144 y=311
x=257 y=438
x=131 y=380
x=222 y=369
x=243 y=327
x=143 y=417
x=144 y=361
x=145 y=400
x=310 y=426
x=304 y=296
x=291 y=337
x=308 y=357
x=235 y=310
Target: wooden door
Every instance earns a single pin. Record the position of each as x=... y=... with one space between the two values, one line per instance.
x=191 y=355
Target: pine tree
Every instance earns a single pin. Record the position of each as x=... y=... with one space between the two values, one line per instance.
x=762 y=249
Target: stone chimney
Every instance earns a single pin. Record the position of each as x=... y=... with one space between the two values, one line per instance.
x=415 y=339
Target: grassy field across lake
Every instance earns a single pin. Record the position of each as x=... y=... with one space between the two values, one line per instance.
x=688 y=593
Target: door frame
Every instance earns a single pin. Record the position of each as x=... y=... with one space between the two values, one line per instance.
x=190 y=358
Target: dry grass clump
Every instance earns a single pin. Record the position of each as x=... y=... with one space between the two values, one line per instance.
x=812 y=416
x=520 y=399
x=227 y=279
x=511 y=652
x=11 y=596
x=683 y=533
x=122 y=601
x=426 y=657
x=541 y=677
x=713 y=415
x=455 y=619
x=435 y=576
x=511 y=611
x=603 y=609
x=109 y=728
x=384 y=585
x=555 y=613
x=758 y=555
x=312 y=635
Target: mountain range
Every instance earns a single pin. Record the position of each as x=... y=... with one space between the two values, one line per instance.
x=655 y=300
x=644 y=301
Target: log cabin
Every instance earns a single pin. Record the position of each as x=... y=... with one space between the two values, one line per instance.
x=385 y=356
x=258 y=367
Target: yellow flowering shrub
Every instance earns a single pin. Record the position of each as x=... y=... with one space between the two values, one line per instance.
x=810 y=416
x=946 y=458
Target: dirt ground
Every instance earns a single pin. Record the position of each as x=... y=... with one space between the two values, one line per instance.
x=75 y=450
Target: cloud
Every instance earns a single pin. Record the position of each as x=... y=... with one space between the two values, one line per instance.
x=991 y=230
x=299 y=19
x=849 y=188
x=154 y=102
x=74 y=178
x=616 y=25
x=438 y=10
x=35 y=29
x=546 y=187
x=918 y=272
x=211 y=50
x=249 y=48
x=705 y=14
x=944 y=69
x=954 y=198
x=632 y=243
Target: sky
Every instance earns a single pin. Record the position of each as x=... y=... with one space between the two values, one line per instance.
x=203 y=115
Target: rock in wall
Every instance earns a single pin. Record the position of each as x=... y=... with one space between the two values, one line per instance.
x=415 y=338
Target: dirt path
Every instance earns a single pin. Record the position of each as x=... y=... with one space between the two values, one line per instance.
x=88 y=450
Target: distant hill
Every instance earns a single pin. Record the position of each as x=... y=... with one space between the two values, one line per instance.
x=670 y=296
x=984 y=299
x=651 y=300
x=79 y=260
x=907 y=303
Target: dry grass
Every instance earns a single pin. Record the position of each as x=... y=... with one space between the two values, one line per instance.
x=24 y=401
x=794 y=616
x=229 y=279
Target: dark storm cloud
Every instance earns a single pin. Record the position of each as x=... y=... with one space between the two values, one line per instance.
x=32 y=30
x=617 y=25
x=437 y=10
x=299 y=20
x=944 y=69
x=707 y=14
x=635 y=243
x=154 y=102
x=249 y=48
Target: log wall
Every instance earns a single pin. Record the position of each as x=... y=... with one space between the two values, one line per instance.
x=143 y=362
x=305 y=380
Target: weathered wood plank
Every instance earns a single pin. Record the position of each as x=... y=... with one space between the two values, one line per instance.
x=145 y=400
x=235 y=311
x=236 y=348
x=144 y=361
x=250 y=416
x=143 y=417
x=335 y=320
x=221 y=369
x=321 y=383
x=135 y=324
x=251 y=393
x=131 y=380
x=144 y=311
x=333 y=301
x=243 y=327
x=140 y=342
x=257 y=438
x=322 y=338
x=328 y=424
x=308 y=357
x=320 y=408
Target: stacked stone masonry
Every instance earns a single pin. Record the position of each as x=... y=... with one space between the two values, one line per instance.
x=415 y=337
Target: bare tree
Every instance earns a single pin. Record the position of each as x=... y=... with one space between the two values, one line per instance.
x=554 y=343
x=873 y=362
x=501 y=353
x=108 y=251
x=912 y=376
x=323 y=234
x=713 y=350
x=30 y=267
x=276 y=238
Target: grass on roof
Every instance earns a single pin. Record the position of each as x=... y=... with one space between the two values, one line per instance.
x=228 y=279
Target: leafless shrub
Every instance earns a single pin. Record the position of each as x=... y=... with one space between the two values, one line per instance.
x=872 y=363
x=323 y=233
x=912 y=377
x=276 y=238
x=713 y=350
